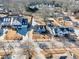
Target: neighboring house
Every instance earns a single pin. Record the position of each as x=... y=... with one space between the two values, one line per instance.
x=19 y=23
x=37 y=6
x=41 y=34
x=13 y=21
x=62 y=31
x=40 y=29
x=64 y=21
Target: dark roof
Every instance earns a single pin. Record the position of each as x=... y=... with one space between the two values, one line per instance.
x=1 y=32
x=41 y=29
x=19 y=18
x=22 y=31
x=67 y=18
x=57 y=14
x=64 y=28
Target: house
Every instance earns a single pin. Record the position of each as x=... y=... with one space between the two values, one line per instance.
x=40 y=29
x=40 y=33
x=62 y=31
x=64 y=21
x=13 y=21
x=18 y=22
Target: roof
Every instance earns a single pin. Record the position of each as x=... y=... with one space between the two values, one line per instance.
x=22 y=31
x=69 y=29
x=66 y=18
x=1 y=32
x=58 y=14
x=41 y=29
x=17 y=20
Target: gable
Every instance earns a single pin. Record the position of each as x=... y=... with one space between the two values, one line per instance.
x=16 y=22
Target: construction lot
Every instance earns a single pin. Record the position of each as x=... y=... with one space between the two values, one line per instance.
x=49 y=33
